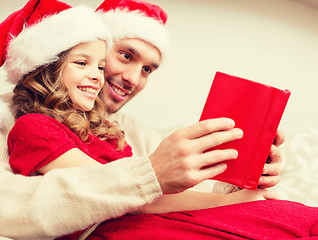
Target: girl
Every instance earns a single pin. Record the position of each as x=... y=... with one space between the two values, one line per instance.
x=59 y=113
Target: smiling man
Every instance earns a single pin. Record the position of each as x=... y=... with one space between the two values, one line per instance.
x=141 y=42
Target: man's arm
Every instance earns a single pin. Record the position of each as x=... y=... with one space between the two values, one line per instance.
x=145 y=140
x=66 y=200
x=184 y=154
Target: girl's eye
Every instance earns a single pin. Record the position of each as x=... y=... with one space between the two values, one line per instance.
x=102 y=68
x=81 y=63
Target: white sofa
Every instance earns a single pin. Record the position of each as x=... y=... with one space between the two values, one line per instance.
x=299 y=179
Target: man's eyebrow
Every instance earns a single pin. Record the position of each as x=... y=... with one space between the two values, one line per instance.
x=133 y=51
x=154 y=65
x=136 y=53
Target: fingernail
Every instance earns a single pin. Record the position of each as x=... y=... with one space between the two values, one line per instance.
x=223 y=166
x=239 y=133
x=235 y=154
x=231 y=123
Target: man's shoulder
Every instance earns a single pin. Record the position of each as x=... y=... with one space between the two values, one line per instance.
x=6 y=97
x=6 y=112
x=120 y=116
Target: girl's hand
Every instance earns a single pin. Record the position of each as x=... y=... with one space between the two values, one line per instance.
x=245 y=195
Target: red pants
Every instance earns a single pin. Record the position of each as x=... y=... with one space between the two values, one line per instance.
x=271 y=219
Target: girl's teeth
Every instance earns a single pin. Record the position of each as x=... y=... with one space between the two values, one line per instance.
x=90 y=90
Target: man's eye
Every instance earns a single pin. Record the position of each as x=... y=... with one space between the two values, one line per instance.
x=147 y=69
x=126 y=56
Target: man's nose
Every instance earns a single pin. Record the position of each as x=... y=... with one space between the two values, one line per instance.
x=132 y=75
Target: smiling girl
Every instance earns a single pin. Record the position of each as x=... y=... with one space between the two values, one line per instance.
x=60 y=118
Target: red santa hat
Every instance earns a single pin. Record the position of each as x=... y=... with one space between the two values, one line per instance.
x=136 y=19
x=34 y=35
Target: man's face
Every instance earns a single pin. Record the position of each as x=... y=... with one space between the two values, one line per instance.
x=128 y=66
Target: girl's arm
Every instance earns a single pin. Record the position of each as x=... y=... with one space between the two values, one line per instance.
x=184 y=201
x=72 y=158
x=192 y=200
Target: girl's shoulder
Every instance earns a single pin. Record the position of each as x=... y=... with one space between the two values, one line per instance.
x=35 y=117
x=38 y=120
x=40 y=124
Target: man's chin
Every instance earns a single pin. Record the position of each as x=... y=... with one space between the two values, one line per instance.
x=111 y=106
x=113 y=109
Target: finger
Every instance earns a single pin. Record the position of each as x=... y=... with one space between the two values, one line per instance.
x=207 y=126
x=214 y=157
x=268 y=181
x=273 y=167
x=269 y=195
x=208 y=173
x=275 y=155
x=279 y=138
x=217 y=138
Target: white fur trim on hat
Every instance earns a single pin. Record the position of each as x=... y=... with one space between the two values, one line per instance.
x=134 y=24
x=40 y=43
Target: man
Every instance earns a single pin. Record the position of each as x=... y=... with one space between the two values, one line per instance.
x=135 y=55
x=72 y=199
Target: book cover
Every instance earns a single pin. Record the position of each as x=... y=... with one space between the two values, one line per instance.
x=256 y=109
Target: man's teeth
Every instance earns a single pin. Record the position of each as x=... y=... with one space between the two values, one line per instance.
x=118 y=91
x=87 y=89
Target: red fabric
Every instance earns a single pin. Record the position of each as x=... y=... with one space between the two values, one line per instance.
x=31 y=13
x=36 y=140
x=148 y=9
x=271 y=219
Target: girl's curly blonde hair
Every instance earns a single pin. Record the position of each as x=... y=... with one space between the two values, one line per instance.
x=42 y=91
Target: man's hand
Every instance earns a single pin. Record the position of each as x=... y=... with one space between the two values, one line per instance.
x=273 y=166
x=180 y=160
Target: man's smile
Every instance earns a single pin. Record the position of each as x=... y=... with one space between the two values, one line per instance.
x=117 y=93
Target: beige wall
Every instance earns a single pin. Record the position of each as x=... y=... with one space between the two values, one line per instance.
x=270 y=41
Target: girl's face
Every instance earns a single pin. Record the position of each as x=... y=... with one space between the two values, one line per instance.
x=83 y=73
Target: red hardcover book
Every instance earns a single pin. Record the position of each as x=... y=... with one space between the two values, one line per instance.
x=256 y=109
